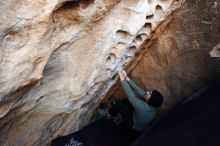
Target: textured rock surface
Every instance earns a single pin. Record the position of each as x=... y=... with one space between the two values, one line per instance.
x=178 y=62
x=58 y=58
x=216 y=51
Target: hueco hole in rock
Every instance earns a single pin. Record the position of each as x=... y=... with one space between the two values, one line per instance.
x=63 y=64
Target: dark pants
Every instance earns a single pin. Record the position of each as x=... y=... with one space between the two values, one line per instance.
x=125 y=109
x=104 y=132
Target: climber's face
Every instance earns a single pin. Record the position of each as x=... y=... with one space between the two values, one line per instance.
x=148 y=95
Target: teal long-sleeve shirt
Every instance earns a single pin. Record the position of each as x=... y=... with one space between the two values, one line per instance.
x=143 y=113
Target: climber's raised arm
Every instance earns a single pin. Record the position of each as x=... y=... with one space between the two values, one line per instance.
x=137 y=103
x=133 y=85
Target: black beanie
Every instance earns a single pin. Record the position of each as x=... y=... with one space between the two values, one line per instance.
x=156 y=99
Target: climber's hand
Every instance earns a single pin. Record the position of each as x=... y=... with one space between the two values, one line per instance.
x=124 y=73
x=120 y=75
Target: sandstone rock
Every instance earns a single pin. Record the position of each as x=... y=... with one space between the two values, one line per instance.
x=178 y=62
x=216 y=51
x=58 y=58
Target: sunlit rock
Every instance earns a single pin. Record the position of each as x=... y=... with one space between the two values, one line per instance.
x=58 y=59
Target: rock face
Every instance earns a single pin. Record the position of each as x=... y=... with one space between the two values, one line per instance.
x=216 y=51
x=178 y=62
x=58 y=58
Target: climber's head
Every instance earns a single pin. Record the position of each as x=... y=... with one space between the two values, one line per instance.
x=154 y=98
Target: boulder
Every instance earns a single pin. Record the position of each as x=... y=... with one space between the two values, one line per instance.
x=58 y=59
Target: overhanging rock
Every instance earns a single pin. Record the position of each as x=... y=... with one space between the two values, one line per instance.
x=58 y=58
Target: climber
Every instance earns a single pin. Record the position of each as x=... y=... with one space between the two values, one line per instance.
x=144 y=109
